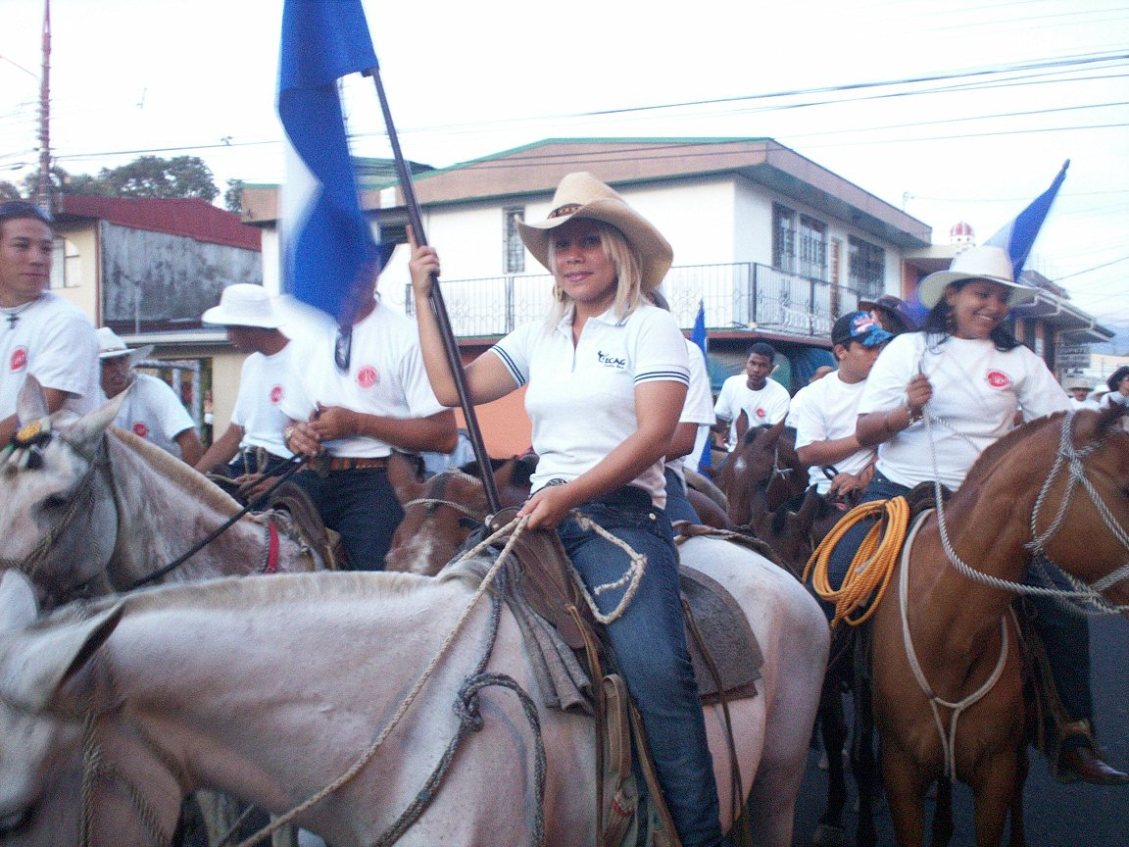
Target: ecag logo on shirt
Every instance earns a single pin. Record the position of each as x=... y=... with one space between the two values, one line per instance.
x=610 y=361
x=276 y=395
x=140 y=429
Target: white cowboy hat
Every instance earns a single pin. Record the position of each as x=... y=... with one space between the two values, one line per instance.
x=984 y=262
x=243 y=304
x=110 y=346
x=581 y=195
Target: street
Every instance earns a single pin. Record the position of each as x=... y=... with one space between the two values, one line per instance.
x=1057 y=815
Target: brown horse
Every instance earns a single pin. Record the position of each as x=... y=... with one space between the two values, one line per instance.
x=764 y=459
x=945 y=647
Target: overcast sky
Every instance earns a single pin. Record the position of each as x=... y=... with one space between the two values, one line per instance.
x=957 y=110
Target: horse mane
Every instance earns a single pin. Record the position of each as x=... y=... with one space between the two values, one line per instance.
x=995 y=451
x=239 y=593
x=172 y=468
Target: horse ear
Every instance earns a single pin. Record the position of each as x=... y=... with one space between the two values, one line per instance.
x=1109 y=416
x=31 y=403
x=87 y=430
x=774 y=432
x=36 y=663
x=18 y=608
x=402 y=477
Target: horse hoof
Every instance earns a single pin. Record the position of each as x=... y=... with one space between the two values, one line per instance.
x=829 y=836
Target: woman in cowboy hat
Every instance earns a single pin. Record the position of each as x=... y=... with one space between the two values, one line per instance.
x=968 y=372
x=607 y=376
x=1118 y=384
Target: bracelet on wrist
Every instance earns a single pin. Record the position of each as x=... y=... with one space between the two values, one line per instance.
x=914 y=417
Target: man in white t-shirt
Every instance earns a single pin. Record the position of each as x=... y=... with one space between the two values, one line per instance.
x=40 y=334
x=1079 y=389
x=252 y=443
x=824 y=413
x=151 y=410
x=361 y=392
x=763 y=400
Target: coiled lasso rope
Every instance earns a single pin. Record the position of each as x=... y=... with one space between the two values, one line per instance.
x=872 y=566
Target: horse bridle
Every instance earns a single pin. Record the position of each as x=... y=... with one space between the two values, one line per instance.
x=1087 y=595
x=435 y=498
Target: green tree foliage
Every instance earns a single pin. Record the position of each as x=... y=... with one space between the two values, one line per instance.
x=148 y=176
x=152 y=176
x=233 y=197
x=8 y=192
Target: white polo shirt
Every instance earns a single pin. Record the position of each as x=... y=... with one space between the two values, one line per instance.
x=823 y=411
x=258 y=408
x=385 y=377
x=52 y=340
x=976 y=391
x=582 y=400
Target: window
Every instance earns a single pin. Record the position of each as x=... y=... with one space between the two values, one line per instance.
x=866 y=267
x=513 y=250
x=64 y=264
x=783 y=238
x=813 y=248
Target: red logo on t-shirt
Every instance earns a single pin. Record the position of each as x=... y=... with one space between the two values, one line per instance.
x=140 y=430
x=19 y=359
x=366 y=376
x=998 y=379
x=276 y=395
x=761 y=413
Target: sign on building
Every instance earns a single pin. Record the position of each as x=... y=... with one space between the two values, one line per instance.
x=1076 y=356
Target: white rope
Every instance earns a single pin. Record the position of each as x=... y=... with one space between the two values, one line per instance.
x=517 y=525
x=631 y=577
x=1082 y=592
x=949 y=740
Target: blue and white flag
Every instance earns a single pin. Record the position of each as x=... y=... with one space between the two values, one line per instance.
x=698 y=333
x=326 y=241
x=1019 y=235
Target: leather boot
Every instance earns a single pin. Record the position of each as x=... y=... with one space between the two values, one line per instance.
x=1082 y=760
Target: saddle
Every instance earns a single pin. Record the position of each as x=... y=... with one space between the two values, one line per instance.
x=541 y=579
x=306 y=522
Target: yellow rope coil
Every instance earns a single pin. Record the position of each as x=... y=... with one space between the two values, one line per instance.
x=872 y=566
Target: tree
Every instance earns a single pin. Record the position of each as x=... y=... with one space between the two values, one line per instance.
x=233 y=197
x=8 y=192
x=152 y=176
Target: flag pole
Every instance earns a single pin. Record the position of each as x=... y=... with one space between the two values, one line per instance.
x=435 y=299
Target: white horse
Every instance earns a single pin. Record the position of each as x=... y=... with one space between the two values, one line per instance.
x=272 y=689
x=87 y=508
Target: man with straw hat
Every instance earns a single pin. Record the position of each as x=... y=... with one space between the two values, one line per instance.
x=40 y=333
x=252 y=443
x=151 y=409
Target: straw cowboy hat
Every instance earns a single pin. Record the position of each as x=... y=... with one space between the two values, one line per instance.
x=984 y=262
x=110 y=346
x=243 y=304
x=581 y=195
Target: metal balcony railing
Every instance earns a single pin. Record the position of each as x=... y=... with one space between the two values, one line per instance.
x=740 y=296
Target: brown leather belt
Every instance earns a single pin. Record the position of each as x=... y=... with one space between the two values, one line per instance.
x=344 y=463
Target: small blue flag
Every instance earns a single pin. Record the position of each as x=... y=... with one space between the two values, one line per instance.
x=1019 y=235
x=326 y=241
x=698 y=333
x=699 y=337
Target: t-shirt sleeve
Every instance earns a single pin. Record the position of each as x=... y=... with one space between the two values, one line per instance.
x=805 y=416
x=659 y=353
x=514 y=350
x=62 y=361
x=418 y=394
x=242 y=406
x=723 y=408
x=776 y=405
x=173 y=417
x=699 y=401
x=892 y=371
x=1040 y=393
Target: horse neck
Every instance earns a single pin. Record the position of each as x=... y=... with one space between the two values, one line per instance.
x=987 y=522
x=235 y=701
x=163 y=511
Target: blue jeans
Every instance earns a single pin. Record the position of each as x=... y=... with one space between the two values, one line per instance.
x=361 y=506
x=1066 y=635
x=649 y=641
x=678 y=507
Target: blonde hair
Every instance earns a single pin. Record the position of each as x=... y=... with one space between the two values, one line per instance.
x=628 y=274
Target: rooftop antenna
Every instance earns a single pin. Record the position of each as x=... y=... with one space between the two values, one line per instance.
x=43 y=188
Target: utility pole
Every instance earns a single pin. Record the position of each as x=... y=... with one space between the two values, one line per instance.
x=43 y=189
